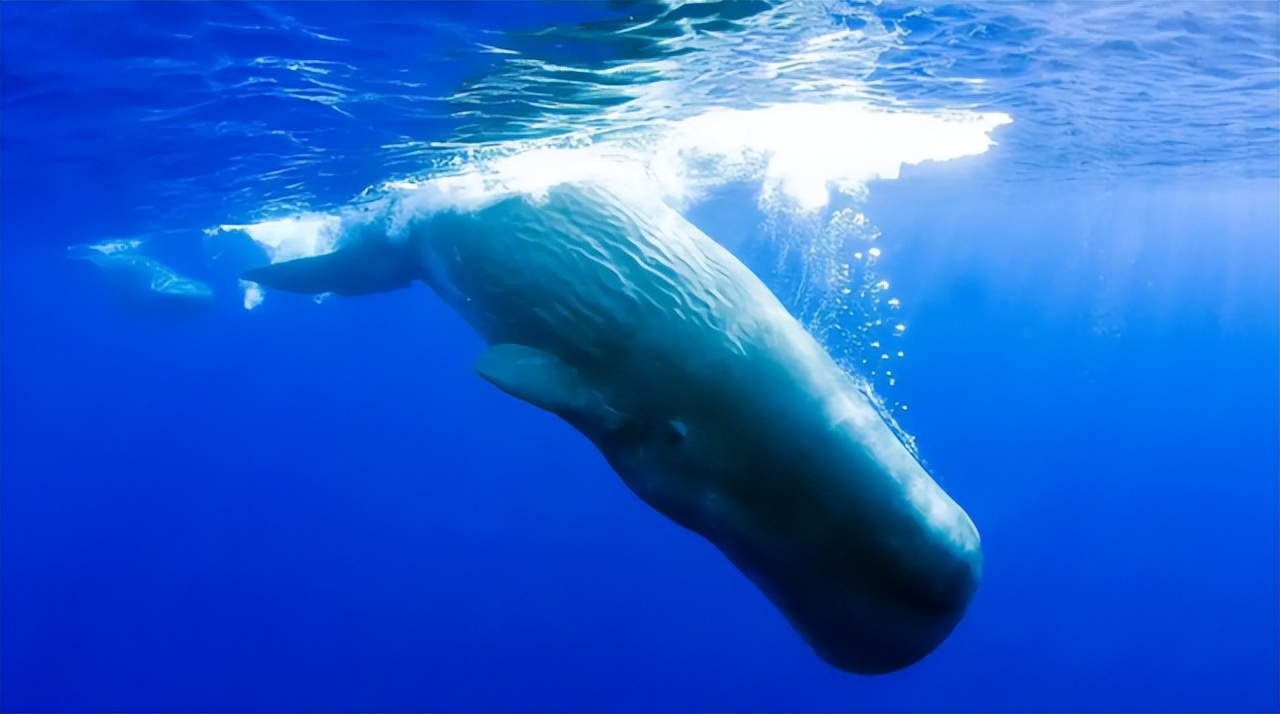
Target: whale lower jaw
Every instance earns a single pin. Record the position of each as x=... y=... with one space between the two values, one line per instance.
x=850 y=629
x=892 y=650
x=881 y=637
x=872 y=586
x=858 y=610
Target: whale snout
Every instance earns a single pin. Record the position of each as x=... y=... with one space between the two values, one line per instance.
x=886 y=633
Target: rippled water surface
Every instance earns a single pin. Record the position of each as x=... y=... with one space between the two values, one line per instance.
x=310 y=103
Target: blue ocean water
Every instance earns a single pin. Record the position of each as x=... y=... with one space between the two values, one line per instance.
x=288 y=506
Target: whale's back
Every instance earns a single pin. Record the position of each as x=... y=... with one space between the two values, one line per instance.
x=606 y=280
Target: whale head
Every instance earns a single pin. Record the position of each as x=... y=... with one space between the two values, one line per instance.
x=809 y=494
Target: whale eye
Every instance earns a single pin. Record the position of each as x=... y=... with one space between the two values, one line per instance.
x=678 y=430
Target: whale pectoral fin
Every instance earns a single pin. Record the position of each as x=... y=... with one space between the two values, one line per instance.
x=309 y=276
x=543 y=380
x=354 y=270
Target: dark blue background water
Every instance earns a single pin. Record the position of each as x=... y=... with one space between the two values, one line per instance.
x=302 y=508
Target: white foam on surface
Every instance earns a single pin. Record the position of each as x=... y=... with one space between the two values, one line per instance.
x=800 y=154
x=804 y=151
x=289 y=238
x=284 y=239
x=252 y=294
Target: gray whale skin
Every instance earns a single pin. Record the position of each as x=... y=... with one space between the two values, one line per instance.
x=708 y=399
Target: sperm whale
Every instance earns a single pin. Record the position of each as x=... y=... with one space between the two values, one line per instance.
x=709 y=400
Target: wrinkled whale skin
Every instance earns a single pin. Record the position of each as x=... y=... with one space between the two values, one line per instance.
x=704 y=394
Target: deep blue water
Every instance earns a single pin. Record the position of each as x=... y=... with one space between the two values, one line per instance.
x=320 y=507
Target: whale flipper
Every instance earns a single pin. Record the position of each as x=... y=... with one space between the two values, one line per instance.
x=543 y=380
x=360 y=269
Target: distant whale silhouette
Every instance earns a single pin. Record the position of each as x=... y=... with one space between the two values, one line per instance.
x=144 y=283
x=706 y=396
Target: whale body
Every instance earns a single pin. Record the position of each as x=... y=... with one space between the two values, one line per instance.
x=710 y=401
x=144 y=283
